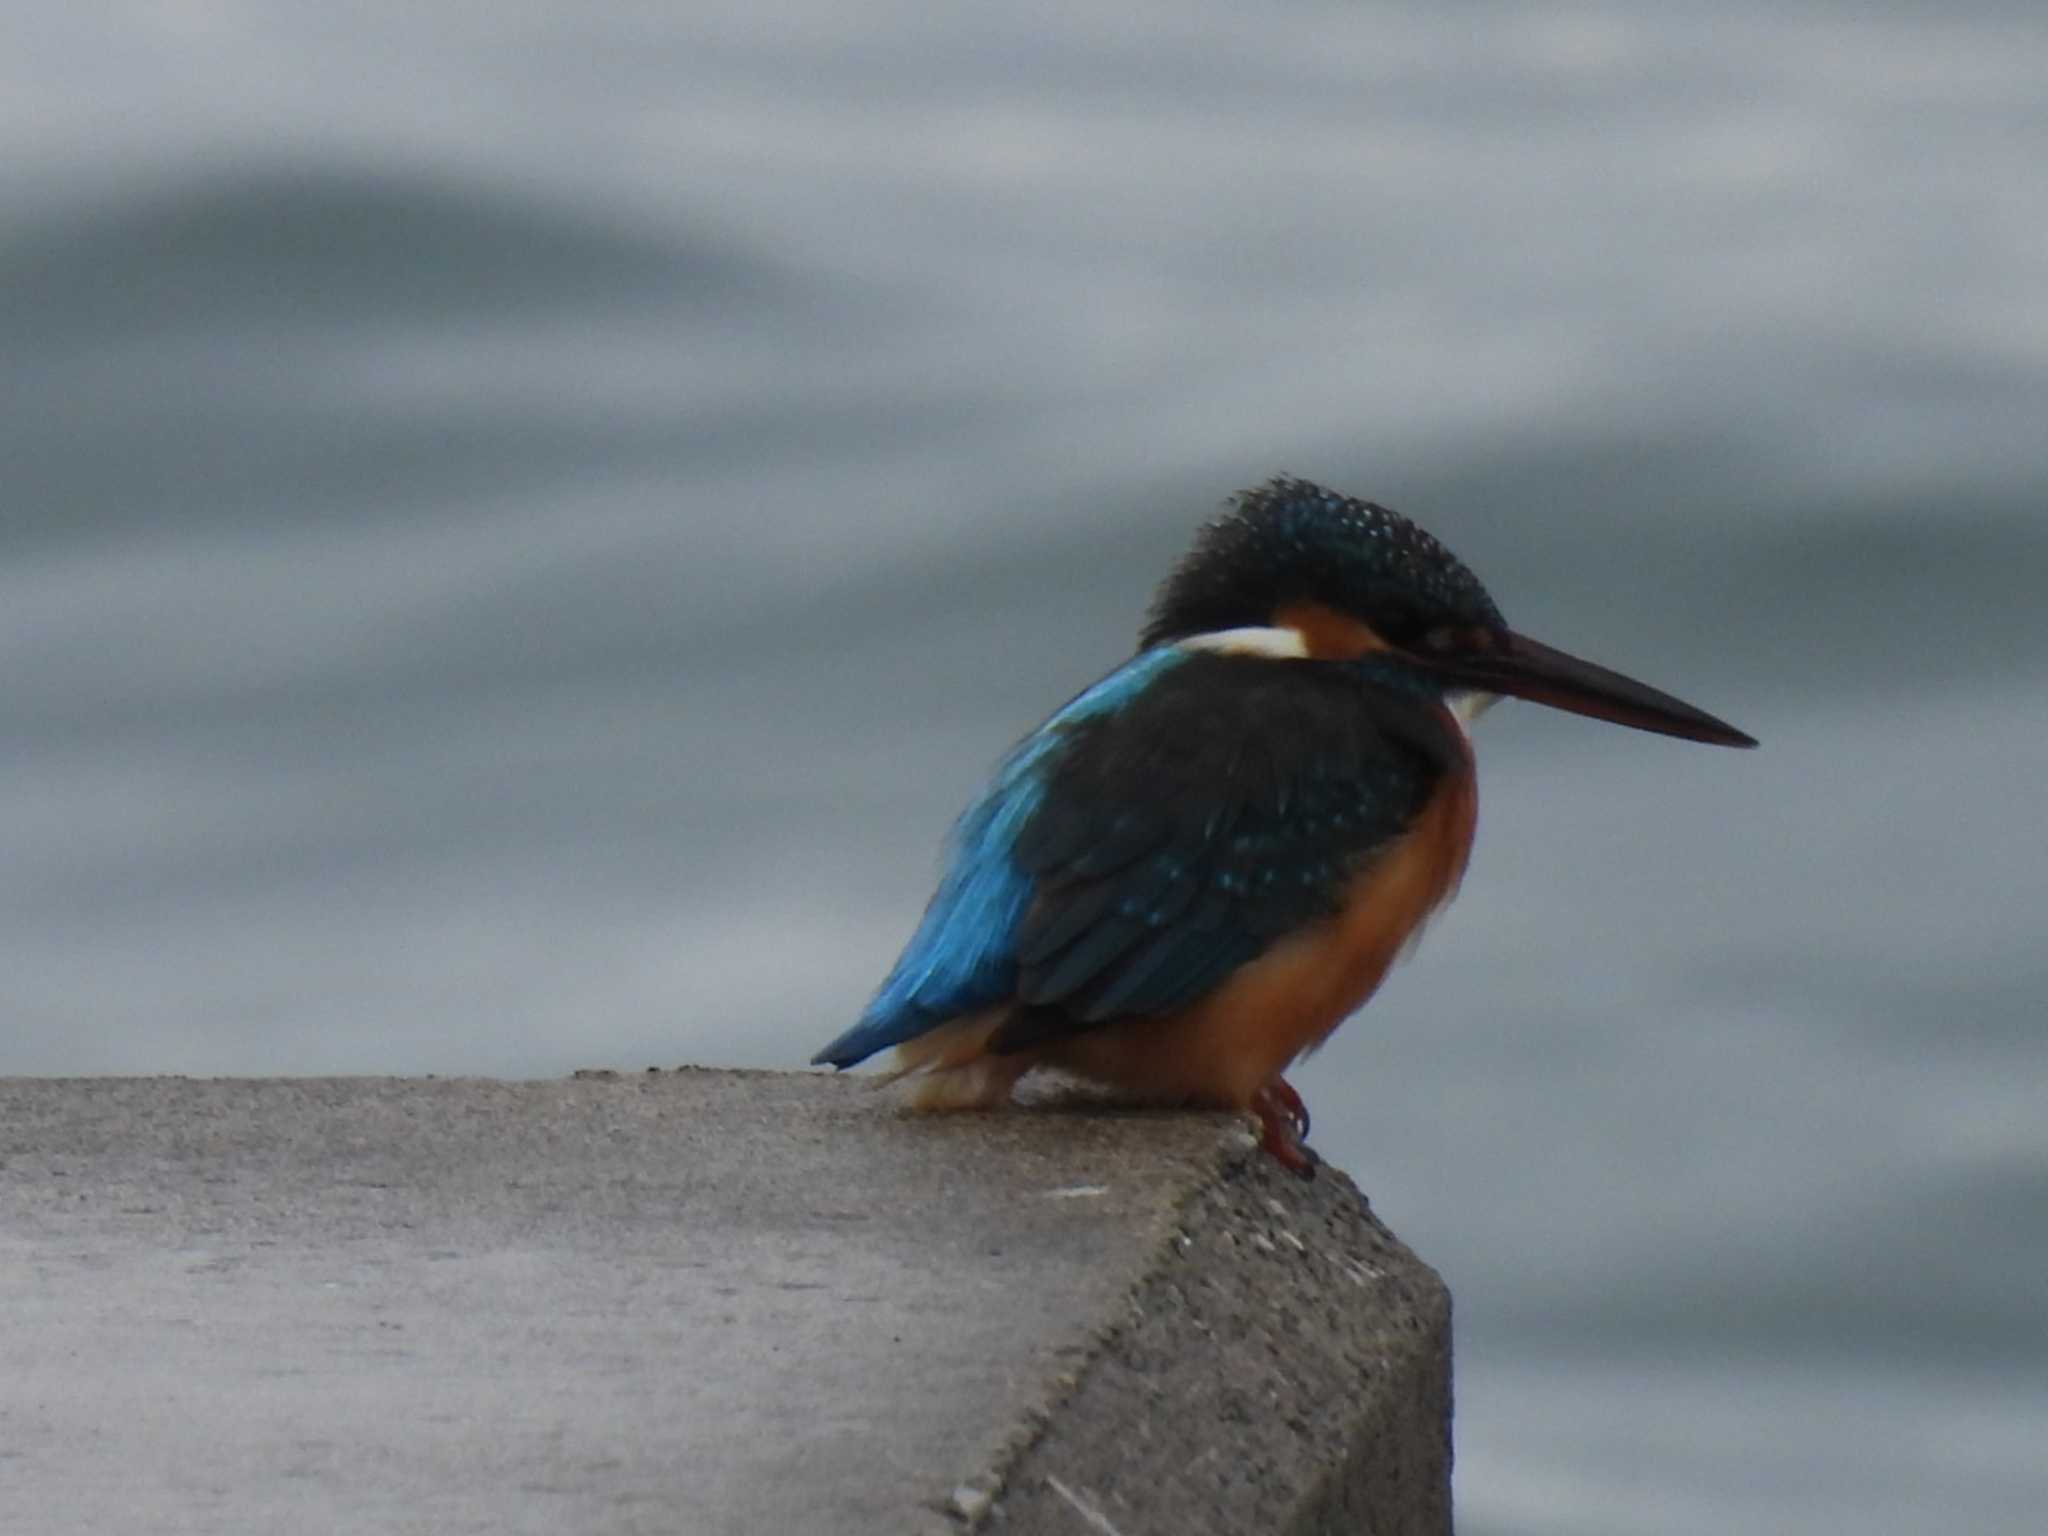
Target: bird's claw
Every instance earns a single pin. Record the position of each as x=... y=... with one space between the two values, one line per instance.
x=1284 y=1095
x=1283 y=1127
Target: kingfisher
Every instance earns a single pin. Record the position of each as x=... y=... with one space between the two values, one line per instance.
x=1194 y=871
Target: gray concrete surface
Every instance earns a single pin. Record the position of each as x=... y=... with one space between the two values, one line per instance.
x=692 y=1302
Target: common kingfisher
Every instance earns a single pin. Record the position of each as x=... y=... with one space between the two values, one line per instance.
x=1188 y=876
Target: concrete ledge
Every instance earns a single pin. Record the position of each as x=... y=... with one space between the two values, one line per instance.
x=696 y=1302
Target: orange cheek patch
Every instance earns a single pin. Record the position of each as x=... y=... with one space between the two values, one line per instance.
x=1327 y=634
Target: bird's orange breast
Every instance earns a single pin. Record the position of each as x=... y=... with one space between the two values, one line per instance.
x=1225 y=1048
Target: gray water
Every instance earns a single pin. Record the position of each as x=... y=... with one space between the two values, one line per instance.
x=522 y=525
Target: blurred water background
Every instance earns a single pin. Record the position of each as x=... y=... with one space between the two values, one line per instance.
x=523 y=523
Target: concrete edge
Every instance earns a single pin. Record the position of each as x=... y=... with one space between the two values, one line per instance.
x=1283 y=1365
x=1263 y=1355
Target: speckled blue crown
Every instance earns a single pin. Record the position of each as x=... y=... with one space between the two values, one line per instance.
x=1291 y=541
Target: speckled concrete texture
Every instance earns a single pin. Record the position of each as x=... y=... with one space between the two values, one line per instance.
x=693 y=1302
x=1286 y=1368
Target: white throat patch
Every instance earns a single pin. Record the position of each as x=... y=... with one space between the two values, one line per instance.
x=1467 y=706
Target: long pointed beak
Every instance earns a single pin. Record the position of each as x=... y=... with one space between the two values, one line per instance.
x=1528 y=669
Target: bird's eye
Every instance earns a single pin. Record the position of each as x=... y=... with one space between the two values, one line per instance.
x=1460 y=639
x=1394 y=621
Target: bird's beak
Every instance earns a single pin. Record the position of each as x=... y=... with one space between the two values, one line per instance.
x=1528 y=669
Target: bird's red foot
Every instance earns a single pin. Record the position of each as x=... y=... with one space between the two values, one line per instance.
x=1283 y=1122
x=1284 y=1095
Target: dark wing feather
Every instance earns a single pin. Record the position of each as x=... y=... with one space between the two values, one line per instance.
x=1226 y=806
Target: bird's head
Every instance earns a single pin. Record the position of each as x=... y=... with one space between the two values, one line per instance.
x=1343 y=580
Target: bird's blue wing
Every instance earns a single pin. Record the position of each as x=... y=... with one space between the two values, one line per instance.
x=1229 y=804
x=963 y=956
